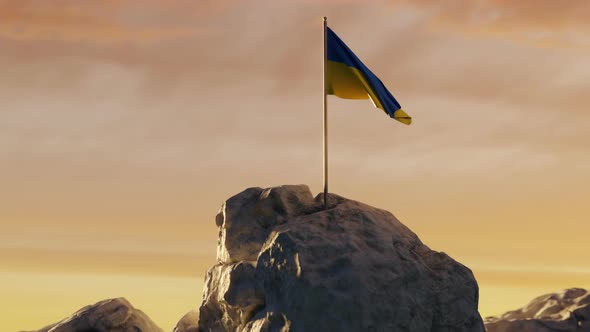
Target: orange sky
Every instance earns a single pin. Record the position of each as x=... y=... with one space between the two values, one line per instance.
x=125 y=124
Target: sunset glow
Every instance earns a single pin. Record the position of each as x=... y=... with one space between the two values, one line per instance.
x=124 y=125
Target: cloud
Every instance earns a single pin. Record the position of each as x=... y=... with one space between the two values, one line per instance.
x=539 y=13
x=105 y=21
x=544 y=23
x=132 y=20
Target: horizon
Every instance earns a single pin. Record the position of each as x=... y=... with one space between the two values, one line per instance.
x=126 y=124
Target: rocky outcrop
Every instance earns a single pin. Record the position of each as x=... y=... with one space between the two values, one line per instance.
x=568 y=310
x=114 y=315
x=287 y=264
x=188 y=322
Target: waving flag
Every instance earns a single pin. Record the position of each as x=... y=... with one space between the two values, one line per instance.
x=347 y=77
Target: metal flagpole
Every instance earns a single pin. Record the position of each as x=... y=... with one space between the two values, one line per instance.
x=325 y=118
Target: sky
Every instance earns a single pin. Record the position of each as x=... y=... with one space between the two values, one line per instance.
x=125 y=124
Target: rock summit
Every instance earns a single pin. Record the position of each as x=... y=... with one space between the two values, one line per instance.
x=287 y=264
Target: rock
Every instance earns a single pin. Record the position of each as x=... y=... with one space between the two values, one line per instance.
x=286 y=264
x=114 y=315
x=188 y=322
x=568 y=310
x=246 y=219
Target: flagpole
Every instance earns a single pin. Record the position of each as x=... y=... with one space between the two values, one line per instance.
x=325 y=117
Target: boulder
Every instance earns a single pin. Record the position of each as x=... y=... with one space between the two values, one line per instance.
x=114 y=315
x=287 y=264
x=567 y=310
x=188 y=323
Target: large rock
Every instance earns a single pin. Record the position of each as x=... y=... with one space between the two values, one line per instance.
x=114 y=315
x=568 y=310
x=286 y=264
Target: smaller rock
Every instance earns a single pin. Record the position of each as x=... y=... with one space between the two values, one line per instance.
x=114 y=315
x=568 y=310
x=188 y=322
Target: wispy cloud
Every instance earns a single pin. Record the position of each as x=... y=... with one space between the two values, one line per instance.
x=108 y=21
x=543 y=23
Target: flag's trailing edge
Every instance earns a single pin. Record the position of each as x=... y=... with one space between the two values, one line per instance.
x=349 y=78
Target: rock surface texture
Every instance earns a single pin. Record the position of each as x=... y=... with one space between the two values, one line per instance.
x=286 y=264
x=568 y=310
x=114 y=315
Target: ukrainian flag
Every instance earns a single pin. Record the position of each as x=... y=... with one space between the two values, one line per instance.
x=347 y=77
